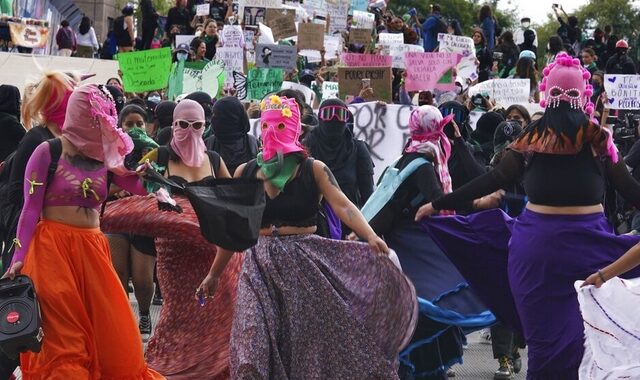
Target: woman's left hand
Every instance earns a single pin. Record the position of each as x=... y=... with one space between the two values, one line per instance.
x=207 y=287
x=595 y=279
x=378 y=245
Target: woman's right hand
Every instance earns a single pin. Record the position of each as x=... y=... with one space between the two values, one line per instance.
x=378 y=245
x=425 y=212
x=14 y=270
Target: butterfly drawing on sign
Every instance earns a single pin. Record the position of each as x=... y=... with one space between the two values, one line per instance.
x=240 y=84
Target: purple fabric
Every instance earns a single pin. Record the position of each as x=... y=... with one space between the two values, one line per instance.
x=335 y=226
x=544 y=255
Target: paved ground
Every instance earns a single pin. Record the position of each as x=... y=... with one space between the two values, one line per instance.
x=478 y=359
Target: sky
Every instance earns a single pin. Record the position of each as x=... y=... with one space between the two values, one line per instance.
x=537 y=10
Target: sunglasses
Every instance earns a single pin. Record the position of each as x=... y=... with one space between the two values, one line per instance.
x=330 y=112
x=131 y=124
x=186 y=124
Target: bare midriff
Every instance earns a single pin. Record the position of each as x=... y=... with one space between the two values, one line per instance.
x=568 y=210
x=73 y=215
x=287 y=230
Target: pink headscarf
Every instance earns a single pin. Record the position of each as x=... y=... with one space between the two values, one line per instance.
x=426 y=125
x=91 y=126
x=187 y=142
x=280 y=123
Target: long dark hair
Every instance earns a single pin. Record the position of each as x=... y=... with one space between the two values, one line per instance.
x=485 y=12
x=525 y=68
x=555 y=45
x=85 y=25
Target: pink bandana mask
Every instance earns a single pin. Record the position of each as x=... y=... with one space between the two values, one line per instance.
x=280 y=124
x=55 y=110
x=566 y=80
x=187 y=142
x=91 y=126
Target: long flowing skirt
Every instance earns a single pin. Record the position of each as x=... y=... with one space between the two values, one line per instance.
x=448 y=306
x=314 y=308
x=524 y=269
x=90 y=331
x=190 y=341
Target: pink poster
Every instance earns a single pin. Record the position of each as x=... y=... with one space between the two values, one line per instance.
x=366 y=60
x=428 y=71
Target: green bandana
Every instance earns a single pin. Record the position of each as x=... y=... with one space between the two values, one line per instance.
x=279 y=170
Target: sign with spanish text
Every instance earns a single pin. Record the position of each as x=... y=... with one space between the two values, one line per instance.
x=282 y=23
x=359 y=36
x=145 y=70
x=353 y=79
x=232 y=36
x=359 y=60
x=330 y=90
x=261 y=82
x=464 y=46
x=202 y=9
x=276 y=56
x=363 y=20
x=397 y=53
x=390 y=39
x=30 y=36
x=504 y=92
x=233 y=58
x=623 y=91
x=337 y=16
x=428 y=71
x=310 y=36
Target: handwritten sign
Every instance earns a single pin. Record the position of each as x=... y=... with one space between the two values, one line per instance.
x=359 y=5
x=233 y=61
x=282 y=23
x=309 y=96
x=360 y=60
x=261 y=82
x=350 y=79
x=232 y=36
x=276 y=56
x=332 y=46
x=310 y=36
x=464 y=46
x=623 y=91
x=337 y=16
x=314 y=7
x=329 y=90
x=397 y=53
x=202 y=9
x=359 y=36
x=145 y=70
x=504 y=92
x=209 y=79
x=31 y=36
x=390 y=39
x=363 y=20
x=426 y=71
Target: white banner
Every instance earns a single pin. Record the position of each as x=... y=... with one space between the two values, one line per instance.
x=504 y=92
x=622 y=91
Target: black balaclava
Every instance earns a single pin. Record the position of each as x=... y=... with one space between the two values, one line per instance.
x=10 y=100
x=229 y=120
x=164 y=113
x=118 y=96
x=332 y=142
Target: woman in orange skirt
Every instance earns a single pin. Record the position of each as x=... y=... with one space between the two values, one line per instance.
x=89 y=329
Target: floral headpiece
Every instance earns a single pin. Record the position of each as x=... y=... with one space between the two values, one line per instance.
x=276 y=103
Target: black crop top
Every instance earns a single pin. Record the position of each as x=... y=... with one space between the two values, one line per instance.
x=297 y=205
x=165 y=153
x=550 y=180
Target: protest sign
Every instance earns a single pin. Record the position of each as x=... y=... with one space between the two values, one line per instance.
x=243 y=5
x=145 y=70
x=309 y=96
x=310 y=36
x=397 y=53
x=232 y=36
x=504 y=92
x=350 y=79
x=329 y=90
x=390 y=39
x=261 y=82
x=622 y=91
x=248 y=38
x=360 y=60
x=184 y=39
x=276 y=56
x=209 y=78
x=282 y=23
x=266 y=36
x=363 y=20
x=202 y=9
x=314 y=7
x=233 y=61
x=29 y=36
x=464 y=46
x=359 y=36
x=337 y=16
x=254 y=15
x=332 y=46
x=427 y=71
x=359 y=5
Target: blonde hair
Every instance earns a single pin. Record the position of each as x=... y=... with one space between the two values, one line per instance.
x=38 y=95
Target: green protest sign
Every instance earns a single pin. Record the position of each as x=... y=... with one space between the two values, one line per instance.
x=145 y=70
x=261 y=82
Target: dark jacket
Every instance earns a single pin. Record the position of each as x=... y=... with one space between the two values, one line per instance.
x=11 y=129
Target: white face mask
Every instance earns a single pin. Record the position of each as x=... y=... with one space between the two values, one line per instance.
x=525 y=25
x=182 y=56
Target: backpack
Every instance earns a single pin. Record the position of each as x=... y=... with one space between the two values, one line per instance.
x=10 y=209
x=388 y=185
x=118 y=29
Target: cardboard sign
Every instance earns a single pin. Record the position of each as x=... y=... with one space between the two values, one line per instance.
x=276 y=56
x=359 y=36
x=363 y=20
x=202 y=9
x=310 y=36
x=623 y=91
x=30 y=36
x=233 y=58
x=350 y=79
x=363 y=60
x=390 y=39
x=397 y=53
x=282 y=23
x=209 y=79
x=426 y=71
x=309 y=95
x=504 y=92
x=332 y=46
x=232 y=36
x=145 y=70
x=329 y=90
x=261 y=82
x=464 y=46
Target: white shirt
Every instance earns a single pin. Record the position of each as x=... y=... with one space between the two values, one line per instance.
x=88 y=39
x=519 y=36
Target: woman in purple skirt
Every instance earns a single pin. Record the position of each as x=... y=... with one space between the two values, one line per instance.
x=309 y=307
x=524 y=268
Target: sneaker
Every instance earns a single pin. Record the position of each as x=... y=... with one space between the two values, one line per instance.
x=485 y=336
x=517 y=362
x=504 y=372
x=145 y=327
x=157 y=299
x=451 y=372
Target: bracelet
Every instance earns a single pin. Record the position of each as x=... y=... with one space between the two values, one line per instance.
x=601 y=276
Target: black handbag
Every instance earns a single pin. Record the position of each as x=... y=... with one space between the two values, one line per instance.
x=20 y=319
x=229 y=211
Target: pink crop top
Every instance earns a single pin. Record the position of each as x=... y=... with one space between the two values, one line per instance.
x=70 y=186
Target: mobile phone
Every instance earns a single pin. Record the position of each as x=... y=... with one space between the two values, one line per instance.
x=366 y=82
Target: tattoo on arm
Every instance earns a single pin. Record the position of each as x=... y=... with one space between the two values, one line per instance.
x=331 y=178
x=350 y=215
